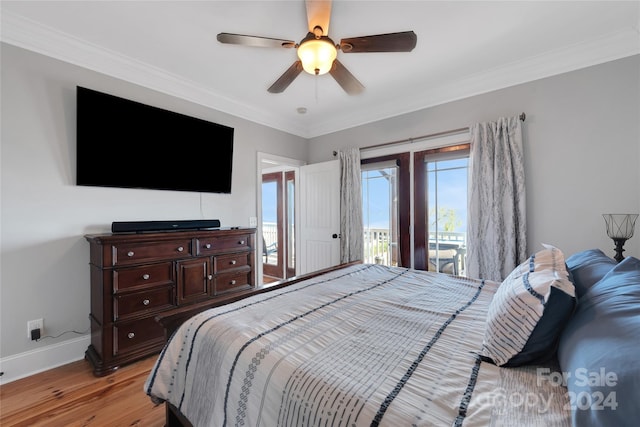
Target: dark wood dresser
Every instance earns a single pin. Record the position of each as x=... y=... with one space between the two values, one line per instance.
x=137 y=276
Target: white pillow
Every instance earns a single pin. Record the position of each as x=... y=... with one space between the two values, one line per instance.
x=529 y=310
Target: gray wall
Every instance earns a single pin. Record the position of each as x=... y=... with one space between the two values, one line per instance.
x=45 y=257
x=582 y=148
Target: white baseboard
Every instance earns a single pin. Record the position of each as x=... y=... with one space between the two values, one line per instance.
x=42 y=359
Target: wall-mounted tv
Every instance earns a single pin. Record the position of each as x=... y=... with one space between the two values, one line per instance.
x=123 y=143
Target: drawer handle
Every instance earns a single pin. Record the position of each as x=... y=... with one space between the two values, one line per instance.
x=233 y=282
x=241 y=242
x=233 y=262
x=130 y=253
x=180 y=249
x=145 y=302
x=208 y=246
x=145 y=276
x=210 y=277
x=131 y=335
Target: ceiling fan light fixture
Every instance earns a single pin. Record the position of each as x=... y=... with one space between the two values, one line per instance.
x=317 y=54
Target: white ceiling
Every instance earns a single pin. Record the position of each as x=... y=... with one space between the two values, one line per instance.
x=463 y=49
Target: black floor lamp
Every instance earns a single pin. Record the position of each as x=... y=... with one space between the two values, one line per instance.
x=620 y=229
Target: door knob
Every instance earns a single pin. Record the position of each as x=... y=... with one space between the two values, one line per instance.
x=335 y=236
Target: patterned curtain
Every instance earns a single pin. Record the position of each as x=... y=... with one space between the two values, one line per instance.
x=497 y=241
x=351 y=228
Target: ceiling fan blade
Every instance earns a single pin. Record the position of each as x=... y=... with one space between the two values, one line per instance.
x=345 y=79
x=285 y=79
x=254 y=40
x=318 y=15
x=393 y=42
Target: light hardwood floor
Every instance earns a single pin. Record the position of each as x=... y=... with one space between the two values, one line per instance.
x=71 y=395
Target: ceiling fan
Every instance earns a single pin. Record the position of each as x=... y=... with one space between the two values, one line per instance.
x=317 y=52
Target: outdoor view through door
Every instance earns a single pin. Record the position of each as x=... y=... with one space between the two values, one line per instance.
x=446 y=210
x=278 y=227
x=380 y=213
x=439 y=177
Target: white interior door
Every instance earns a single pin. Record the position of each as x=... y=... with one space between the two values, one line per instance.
x=320 y=216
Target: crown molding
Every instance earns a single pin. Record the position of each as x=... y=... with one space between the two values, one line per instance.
x=30 y=35
x=610 y=47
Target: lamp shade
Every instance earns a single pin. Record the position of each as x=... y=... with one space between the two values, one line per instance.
x=620 y=226
x=317 y=55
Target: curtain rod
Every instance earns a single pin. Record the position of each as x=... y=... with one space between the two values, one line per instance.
x=522 y=117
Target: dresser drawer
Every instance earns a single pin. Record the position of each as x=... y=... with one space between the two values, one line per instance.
x=139 y=334
x=228 y=262
x=232 y=281
x=137 y=303
x=146 y=275
x=124 y=254
x=214 y=245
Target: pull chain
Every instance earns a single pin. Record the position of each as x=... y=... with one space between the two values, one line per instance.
x=316 y=88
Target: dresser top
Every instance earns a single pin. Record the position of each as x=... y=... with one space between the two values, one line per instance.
x=167 y=235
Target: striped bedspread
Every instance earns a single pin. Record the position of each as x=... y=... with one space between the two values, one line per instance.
x=366 y=345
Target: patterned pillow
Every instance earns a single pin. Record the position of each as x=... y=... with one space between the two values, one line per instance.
x=529 y=310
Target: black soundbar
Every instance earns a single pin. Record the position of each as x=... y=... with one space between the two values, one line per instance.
x=141 y=226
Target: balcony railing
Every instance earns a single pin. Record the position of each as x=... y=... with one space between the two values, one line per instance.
x=446 y=249
x=378 y=249
x=270 y=232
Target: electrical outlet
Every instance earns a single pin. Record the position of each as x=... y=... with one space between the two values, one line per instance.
x=35 y=324
x=253 y=221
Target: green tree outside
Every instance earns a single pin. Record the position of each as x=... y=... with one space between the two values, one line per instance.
x=447 y=219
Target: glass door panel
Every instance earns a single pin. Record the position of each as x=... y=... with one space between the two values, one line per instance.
x=278 y=224
x=380 y=213
x=290 y=208
x=272 y=225
x=440 y=209
x=447 y=214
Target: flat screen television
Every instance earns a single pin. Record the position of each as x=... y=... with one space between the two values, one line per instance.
x=126 y=144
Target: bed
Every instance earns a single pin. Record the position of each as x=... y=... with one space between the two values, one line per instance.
x=374 y=345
